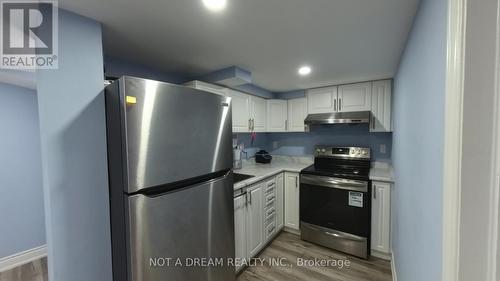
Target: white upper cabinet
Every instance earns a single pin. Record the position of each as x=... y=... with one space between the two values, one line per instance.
x=297 y=112
x=254 y=114
x=276 y=115
x=355 y=97
x=240 y=111
x=322 y=100
x=381 y=107
x=258 y=116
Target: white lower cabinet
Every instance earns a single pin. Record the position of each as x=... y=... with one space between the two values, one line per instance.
x=240 y=229
x=258 y=216
x=381 y=219
x=254 y=220
x=292 y=201
x=279 y=202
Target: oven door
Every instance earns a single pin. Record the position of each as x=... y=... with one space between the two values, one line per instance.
x=336 y=213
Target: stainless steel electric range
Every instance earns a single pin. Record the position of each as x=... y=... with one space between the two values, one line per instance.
x=335 y=200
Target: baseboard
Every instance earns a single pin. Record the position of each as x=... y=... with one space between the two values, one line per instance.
x=380 y=255
x=393 y=268
x=291 y=230
x=22 y=258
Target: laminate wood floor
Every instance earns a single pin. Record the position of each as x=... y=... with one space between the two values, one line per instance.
x=33 y=271
x=290 y=246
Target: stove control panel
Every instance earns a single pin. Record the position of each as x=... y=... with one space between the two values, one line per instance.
x=343 y=152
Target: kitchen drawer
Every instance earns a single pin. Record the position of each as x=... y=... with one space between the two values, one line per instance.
x=269 y=200
x=270 y=186
x=270 y=230
x=270 y=216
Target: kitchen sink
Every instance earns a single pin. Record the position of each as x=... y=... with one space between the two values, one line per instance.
x=241 y=177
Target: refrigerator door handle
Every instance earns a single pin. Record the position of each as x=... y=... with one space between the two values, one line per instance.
x=160 y=190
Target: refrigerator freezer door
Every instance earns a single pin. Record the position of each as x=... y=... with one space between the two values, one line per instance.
x=169 y=133
x=194 y=222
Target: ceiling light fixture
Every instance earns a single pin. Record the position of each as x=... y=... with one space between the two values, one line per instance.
x=304 y=70
x=215 y=5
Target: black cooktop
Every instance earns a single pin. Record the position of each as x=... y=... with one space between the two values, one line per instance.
x=340 y=168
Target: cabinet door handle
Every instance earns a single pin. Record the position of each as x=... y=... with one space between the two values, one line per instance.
x=374 y=192
x=286 y=125
x=335 y=105
x=340 y=104
x=253 y=124
x=296 y=182
x=249 y=124
x=373 y=122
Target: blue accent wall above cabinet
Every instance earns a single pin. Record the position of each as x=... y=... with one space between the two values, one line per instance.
x=302 y=144
x=336 y=135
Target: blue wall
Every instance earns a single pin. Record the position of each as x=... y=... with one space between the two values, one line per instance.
x=302 y=144
x=74 y=156
x=118 y=67
x=22 y=218
x=419 y=92
x=337 y=135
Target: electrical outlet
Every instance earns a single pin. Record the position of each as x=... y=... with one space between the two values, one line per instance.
x=382 y=149
x=275 y=145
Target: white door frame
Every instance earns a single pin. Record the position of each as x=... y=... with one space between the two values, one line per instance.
x=493 y=271
x=456 y=37
x=454 y=97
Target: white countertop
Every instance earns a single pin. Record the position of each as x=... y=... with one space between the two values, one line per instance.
x=278 y=165
x=380 y=171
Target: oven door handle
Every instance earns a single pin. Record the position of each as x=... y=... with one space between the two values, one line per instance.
x=354 y=185
x=344 y=236
x=336 y=233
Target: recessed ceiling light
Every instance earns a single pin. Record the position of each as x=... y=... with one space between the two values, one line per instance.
x=215 y=5
x=304 y=70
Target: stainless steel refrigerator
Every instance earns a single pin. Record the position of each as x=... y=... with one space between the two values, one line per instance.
x=171 y=186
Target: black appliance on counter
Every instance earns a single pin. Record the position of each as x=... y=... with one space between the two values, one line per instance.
x=263 y=157
x=335 y=200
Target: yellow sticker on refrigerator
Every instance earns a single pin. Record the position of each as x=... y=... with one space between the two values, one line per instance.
x=130 y=100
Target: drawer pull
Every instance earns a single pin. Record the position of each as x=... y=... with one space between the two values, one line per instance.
x=271 y=211
x=269 y=203
x=271 y=230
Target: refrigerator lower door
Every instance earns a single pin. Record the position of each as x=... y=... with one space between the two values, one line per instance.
x=186 y=225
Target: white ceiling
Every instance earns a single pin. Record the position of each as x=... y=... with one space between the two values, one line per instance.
x=342 y=40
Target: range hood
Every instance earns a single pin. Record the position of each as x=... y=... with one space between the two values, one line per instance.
x=338 y=118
